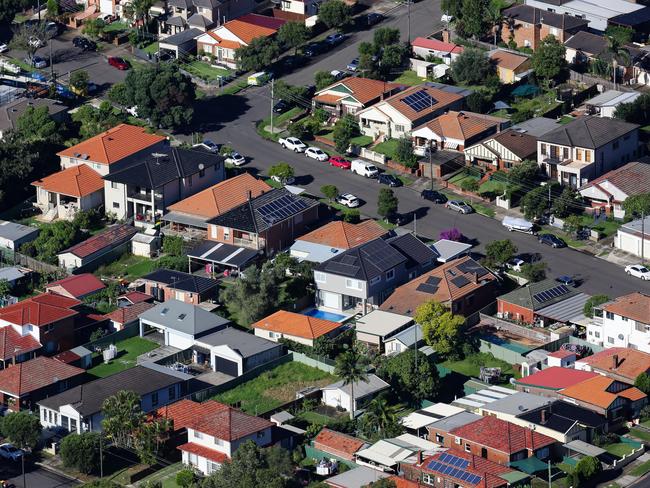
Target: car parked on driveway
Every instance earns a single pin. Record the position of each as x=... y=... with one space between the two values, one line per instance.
x=293 y=143
x=399 y=219
x=84 y=43
x=10 y=452
x=35 y=42
x=373 y=19
x=206 y=144
x=515 y=264
x=348 y=199
x=459 y=206
x=389 y=179
x=638 y=271
x=340 y=162
x=316 y=153
x=566 y=280
x=433 y=196
x=38 y=62
x=119 y=63
x=551 y=240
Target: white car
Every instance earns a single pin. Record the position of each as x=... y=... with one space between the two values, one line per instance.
x=293 y=143
x=235 y=159
x=638 y=271
x=515 y=264
x=348 y=199
x=446 y=18
x=288 y=181
x=4 y=48
x=316 y=153
x=35 y=42
x=8 y=451
x=207 y=144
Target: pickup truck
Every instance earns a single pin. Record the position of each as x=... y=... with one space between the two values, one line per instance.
x=292 y=143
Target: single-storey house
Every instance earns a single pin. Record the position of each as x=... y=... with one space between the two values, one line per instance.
x=337 y=444
x=76 y=286
x=511 y=67
x=12 y=111
x=352 y=94
x=424 y=47
x=584 y=46
x=96 y=250
x=295 y=327
x=375 y=328
x=502 y=151
x=13 y=235
x=549 y=381
x=122 y=317
x=167 y=284
x=605 y=104
x=448 y=250
x=338 y=395
x=182 y=43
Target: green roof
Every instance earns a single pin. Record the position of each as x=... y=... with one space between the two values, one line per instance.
x=530 y=465
x=514 y=477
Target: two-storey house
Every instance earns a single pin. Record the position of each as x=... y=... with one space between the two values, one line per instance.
x=180 y=15
x=167 y=284
x=586 y=148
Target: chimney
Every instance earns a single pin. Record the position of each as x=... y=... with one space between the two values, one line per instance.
x=543 y=416
x=446 y=36
x=420 y=457
x=250 y=195
x=615 y=361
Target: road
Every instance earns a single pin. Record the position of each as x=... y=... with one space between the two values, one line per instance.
x=41 y=478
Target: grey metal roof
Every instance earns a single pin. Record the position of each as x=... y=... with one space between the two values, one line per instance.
x=184 y=317
x=589 y=132
x=569 y=310
x=220 y=253
x=537 y=126
x=357 y=478
x=185 y=219
x=526 y=295
x=518 y=403
x=12 y=231
x=11 y=274
x=612 y=98
x=176 y=21
x=458 y=90
x=179 y=280
x=198 y=20
x=316 y=253
x=182 y=37
x=207 y=3
x=244 y=343
x=361 y=388
x=407 y=336
x=447 y=250
x=533 y=15
x=454 y=421
x=584 y=448
x=636 y=226
x=561 y=415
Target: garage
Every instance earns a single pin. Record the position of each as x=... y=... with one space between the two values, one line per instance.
x=226 y=366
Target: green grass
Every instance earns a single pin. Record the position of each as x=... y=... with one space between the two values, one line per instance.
x=606 y=227
x=386 y=225
x=387 y=148
x=275 y=387
x=22 y=64
x=483 y=209
x=619 y=449
x=471 y=365
x=127 y=352
x=315 y=418
x=409 y=78
x=116 y=27
x=288 y=115
x=406 y=180
x=151 y=48
x=362 y=141
x=234 y=88
x=566 y=237
x=204 y=71
x=565 y=119
x=640 y=434
x=462 y=176
x=492 y=186
x=128 y=266
x=641 y=469
x=166 y=475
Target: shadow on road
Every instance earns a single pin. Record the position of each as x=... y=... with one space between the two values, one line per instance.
x=212 y=113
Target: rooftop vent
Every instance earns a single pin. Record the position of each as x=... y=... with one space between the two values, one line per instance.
x=164 y=311
x=182 y=316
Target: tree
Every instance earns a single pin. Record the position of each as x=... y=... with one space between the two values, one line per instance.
x=92 y=121
x=323 y=79
x=535 y=203
x=573 y=224
x=137 y=11
x=441 y=329
x=412 y=376
x=123 y=416
x=622 y=35
x=636 y=112
x=534 y=271
x=36 y=124
x=9 y=9
x=335 y=13
x=344 y=130
x=52 y=11
x=619 y=54
x=380 y=419
x=330 y=192
x=94 y=28
x=475 y=23
x=173 y=245
x=453 y=8
x=79 y=81
x=149 y=439
x=293 y=35
x=387 y=203
x=52 y=239
x=471 y=67
x=285 y=91
x=22 y=429
x=253 y=295
x=384 y=37
x=478 y=102
x=5 y=288
x=282 y=171
x=351 y=367
x=494 y=18
x=404 y=152
x=568 y=203
x=549 y=60
x=24 y=36
x=498 y=253
x=382 y=483
x=642 y=382
x=452 y=234
x=185 y=478
x=81 y=451
x=524 y=174
x=593 y=301
x=258 y=55
x=584 y=473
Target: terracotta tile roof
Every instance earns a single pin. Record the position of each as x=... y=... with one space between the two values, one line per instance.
x=113 y=145
x=111 y=237
x=126 y=315
x=595 y=391
x=221 y=197
x=338 y=442
x=436 y=45
x=329 y=98
x=205 y=452
x=344 y=235
x=67 y=357
x=136 y=297
x=34 y=374
x=501 y=435
x=76 y=181
x=185 y=411
x=461 y=125
x=507 y=60
x=631 y=179
x=228 y=44
x=404 y=483
x=438 y=284
x=635 y=306
x=296 y=324
x=79 y=285
x=556 y=378
x=441 y=99
x=13 y=344
x=40 y=310
x=365 y=89
x=630 y=362
x=523 y=146
x=489 y=471
x=250 y=26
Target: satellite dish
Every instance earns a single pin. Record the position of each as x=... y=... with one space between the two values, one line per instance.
x=201 y=166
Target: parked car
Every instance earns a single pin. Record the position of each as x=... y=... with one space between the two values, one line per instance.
x=373 y=19
x=551 y=240
x=119 y=63
x=281 y=106
x=348 y=199
x=459 y=206
x=38 y=62
x=53 y=29
x=10 y=452
x=335 y=39
x=207 y=144
x=293 y=143
x=4 y=48
x=288 y=181
x=84 y=43
x=316 y=153
x=638 y=271
x=314 y=49
x=566 y=280
x=400 y=218
x=446 y=18
x=388 y=179
x=433 y=196
x=164 y=56
x=340 y=162
x=235 y=159
x=292 y=62
x=515 y=264
x=338 y=74
x=35 y=42
x=353 y=65
x=364 y=168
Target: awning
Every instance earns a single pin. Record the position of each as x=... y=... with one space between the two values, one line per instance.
x=530 y=465
x=568 y=310
x=224 y=254
x=582 y=447
x=451 y=145
x=181 y=218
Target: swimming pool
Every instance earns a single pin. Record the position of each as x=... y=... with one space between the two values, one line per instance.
x=508 y=344
x=320 y=314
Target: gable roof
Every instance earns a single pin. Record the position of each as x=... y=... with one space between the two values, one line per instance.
x=448 y=282
x=250 y=26
x=631 y=178
x=79 y=285
x=533 y=296
x=440 y=100
x=555 y=378
x=221 y=197
x=183 y=412
x=40 y=310
x=589 y=132
x=13 y=344
x=109 y=238
x=12 y=111
x=296 y=324
x=524 y=146
x=338 y=442
x=436 y=45
x=75 y=181
x=488 y=472
x=182 y=281
x=561 y=416
x=113 y=145
x=361 y=388
x=345 y=235
x=507 y=60
x=461 y=125
x=12 y=231
x=635 y=306
x=126 y=315
x=363 y=90
x=135 y=297
x=533 y=15
x=184 y=317
x=228 y=424
x=630 y=363
x=587 y=43
x=595 y=391
x=37 y=373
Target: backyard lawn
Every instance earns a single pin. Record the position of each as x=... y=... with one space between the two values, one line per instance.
x=644 y=435
x=471 y=365
x=127 y=352
x=409 y=78
x=129 y=266
x=275 y=387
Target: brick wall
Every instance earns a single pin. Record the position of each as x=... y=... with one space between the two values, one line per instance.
x=517 y=312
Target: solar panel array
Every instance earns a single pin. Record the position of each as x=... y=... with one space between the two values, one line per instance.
x=454 y=460
x=419 y=100
x=472 y=267
x=460 y=281
x=381 y=255
x=455 y=470
x=342 y=268
x=547 y=295
x=427 y=288
x=433 y=280
x=282 y=208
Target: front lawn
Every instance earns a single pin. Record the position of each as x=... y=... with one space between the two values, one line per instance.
x=204 y=71
x=275 y=387
x=459 y=178
x=619 y=449
x=388 y=148
x=493 y=186
x=116 y=26
x=128 y=351
x=151 y=48
x=606 y=227
x=361 y=141
x=409 y=78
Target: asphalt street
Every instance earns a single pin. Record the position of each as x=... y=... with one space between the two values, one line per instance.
x=41 y=478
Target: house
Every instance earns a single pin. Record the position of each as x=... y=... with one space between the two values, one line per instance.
x=220 y=44
x=462 y=285
x=334 y=237
x=605 y=104
x=79 y=356
x=133 y=298
x=63 y=194
x=609 y=191
x=424 y=47
x=620 y=363
x=536 y=126
x=584 y=47
x=586 y=148
x=180 y=323
x=76 y=286
x=614 y=399
x=448 y=250
x=167 y=284
x=337 y=445
x=375 y=328
x=113 y=149
x=398 y=115
x=13 y=235
x=98 y=249
x=352 y=94
x=15 y=109
x=79 y=409
x=179 y=15
x=632 y=237
x=24 y=384
x=562 y=358
x=449 y=423
x=549 y=381
x=48 y=318
x=387 y=455
x=123 y=317
x=296 y=327
x=15 y=347
x=145 y=189
x=182 y=43
x=502 y=151
x=623 y=322
x=511 y=67
x=14 y=275
x=409 y=338
x=189 y=216
x=455 y=131
x=416 y=422
x=338 y=395
x=527 y=26
x=299 y=11
x=233 y=352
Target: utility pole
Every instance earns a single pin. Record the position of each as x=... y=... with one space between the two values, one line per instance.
x=22 y=460
x=272 y=87
x=431 y=162
x=642 y=236
x=101 y=457
x=51 y=63
x=550 y=483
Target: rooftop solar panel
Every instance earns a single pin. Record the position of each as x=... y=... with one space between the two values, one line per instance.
x=433 y=280
x=427 y=288
x=284 y=207
x=460 y=281
x=419 y=100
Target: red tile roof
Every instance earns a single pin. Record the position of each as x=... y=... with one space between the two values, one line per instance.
x=296 y=324
x=436 y=45
x=67 y=357
x=126 y=315
x=111 y=237
x=635 y=306
x=136 y=297
x=76 y=181
x=336 y=442
x=13 y=344
x=596 y=391
x=632 y=178
x=501 y=435
x=35 y=374
x=630 y=362
x=561 y=353
x=205 y=452
x=556 y=378
x=441 y=100
x=79 y=285
x=344 y=235
x=489 y=471
x=363 y=90
x=40 y=310
x=251 y=26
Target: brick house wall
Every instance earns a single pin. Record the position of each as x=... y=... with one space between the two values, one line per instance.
x=452 y=442
x=517 y=312
x=530 y=35
x=58 y=336
x=169 y=293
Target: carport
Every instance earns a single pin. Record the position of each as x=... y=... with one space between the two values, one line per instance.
x=220 y=254
x=182 y=43
x=569 y=310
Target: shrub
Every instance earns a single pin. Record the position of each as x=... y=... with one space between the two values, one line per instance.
x=451 y=235
x=185 y=478
x=173 y=245
x=81 y=451
x=469 y=184
x=351 y=216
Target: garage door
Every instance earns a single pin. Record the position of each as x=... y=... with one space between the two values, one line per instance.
x=330 y=299
x=226 y=366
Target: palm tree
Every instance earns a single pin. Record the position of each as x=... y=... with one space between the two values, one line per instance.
x=618 y=52
x=351 y=368
x=138 y=10
x=381 y=415
x=495 y=18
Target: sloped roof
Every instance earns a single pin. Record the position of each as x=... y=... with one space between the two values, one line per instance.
x=32 y=375
x=523 y=146
x=630 y=362
x=461 y=125
x=589 y=132
x=556 y=378
x=595 y=391
x=338 y=442
x=243 y=343
x=79 y=285
x=204 y=451
x=109 y=238
x=529 y=296
x=533 y=15
x=126 y=315
x=13 y=344
x=631 y=178
x=635 y=306
x=228 y=424
x=183 y=412
x=250 y=26
x=508 y=60
x=182 y=281
x=441 y=99
x=361 y=388
x=488 y=471
x=184 y=317
x=345 y=235
x=587 y=43
x=76 y=181
x=436 y=45
x=363 y=90
x=40 y=310
x=296 y=324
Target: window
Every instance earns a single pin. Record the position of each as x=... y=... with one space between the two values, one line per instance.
x=565 y=153
x=154 y=398
x=114 y=185
x=116 y=205
x=193 y=459
x=44 y=415
x=399 y=128
x=353 y=284
x=375 y=280
x=554 y=31
x=198 y=435
x=610 y=340
x=543 y=149
x=260 y=435
x=226 y=233
x=587 y=156
x=73 y=425
x=218 y=442
x=579 y=154
x=213 y=231
x=428 y=479
x=640 y=327
x=597 y=334
x=609 y=315
x=468 y=448
x=49 y=416
x=212 y=467
x=320 y=277
x=458 y=441
x=390 y=275
x=440 y=439
x=171 y=392
x=180 y=296
x=624 y=319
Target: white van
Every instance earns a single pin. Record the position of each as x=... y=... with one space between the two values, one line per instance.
x=364 y=168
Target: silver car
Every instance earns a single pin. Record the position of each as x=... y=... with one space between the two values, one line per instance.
x=459 y=206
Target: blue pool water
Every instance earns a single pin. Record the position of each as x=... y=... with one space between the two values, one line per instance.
x=319 y=314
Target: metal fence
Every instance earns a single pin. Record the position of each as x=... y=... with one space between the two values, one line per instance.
x=323 y=364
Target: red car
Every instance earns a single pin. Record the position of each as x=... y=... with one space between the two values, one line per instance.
x=340 y=162
x=119 y=63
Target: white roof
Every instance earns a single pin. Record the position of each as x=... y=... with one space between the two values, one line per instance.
x=382 y=323
x=429 y=415
x=418 y=442
x=356 y=478
x=448 y=250
x=612 y=98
